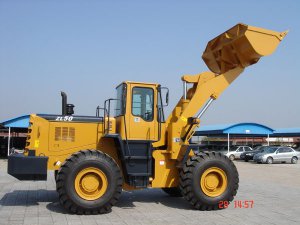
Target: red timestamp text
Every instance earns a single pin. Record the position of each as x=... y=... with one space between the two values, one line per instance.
x=242 y=204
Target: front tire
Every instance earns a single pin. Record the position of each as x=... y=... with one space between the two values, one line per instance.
x=89 y=182
x=208 y=179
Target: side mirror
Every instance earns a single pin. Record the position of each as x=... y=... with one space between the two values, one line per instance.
x=167 y=98
x=166 y=90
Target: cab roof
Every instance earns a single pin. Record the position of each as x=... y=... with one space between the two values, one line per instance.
x=139 y=83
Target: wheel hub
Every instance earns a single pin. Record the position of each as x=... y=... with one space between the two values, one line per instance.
x=91 y=183
x=213 y=182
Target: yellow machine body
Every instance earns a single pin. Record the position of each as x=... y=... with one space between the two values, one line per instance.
x=226 y=56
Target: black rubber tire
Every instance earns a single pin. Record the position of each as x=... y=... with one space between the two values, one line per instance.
x=190 y=180
x=246 y=160
x=55 y=174
x=68 y=197
x=173 y=191
x=232 y=157
x=294 y=160
x=269 y=160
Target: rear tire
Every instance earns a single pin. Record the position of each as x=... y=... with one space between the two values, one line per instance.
x=208 y=179
x=173 y=191
x=269 y=160
x=89 y=182
x=294 y=160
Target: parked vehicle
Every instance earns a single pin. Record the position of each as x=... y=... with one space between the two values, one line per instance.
x=235 y=153
x=248 y=155
x=277 y=154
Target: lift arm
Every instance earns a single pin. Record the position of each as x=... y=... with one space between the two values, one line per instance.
x=226 y=56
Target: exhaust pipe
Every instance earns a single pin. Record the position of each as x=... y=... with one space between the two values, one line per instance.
x=66 y=109
x=63 y=103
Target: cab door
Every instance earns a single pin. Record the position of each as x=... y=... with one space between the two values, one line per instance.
x=142 y=113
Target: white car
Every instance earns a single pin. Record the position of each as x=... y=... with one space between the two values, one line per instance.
x=277 y=154
x=235 y=152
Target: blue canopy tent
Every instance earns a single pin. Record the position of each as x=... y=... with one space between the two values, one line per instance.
x=18 y=124
x=236 y=130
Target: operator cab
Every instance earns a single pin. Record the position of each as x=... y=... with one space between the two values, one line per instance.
x=139 y=110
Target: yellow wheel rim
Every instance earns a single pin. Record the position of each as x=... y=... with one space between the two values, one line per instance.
x=91 y=183
x=213 y=182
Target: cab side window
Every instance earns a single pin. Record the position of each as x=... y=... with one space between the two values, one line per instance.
x=142 y=103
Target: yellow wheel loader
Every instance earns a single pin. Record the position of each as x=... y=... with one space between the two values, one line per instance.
x=130 y=145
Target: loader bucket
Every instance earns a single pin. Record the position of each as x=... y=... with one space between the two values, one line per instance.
x=240 y=46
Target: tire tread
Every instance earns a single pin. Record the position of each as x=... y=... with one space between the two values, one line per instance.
x=65 y=200
x=186 y=179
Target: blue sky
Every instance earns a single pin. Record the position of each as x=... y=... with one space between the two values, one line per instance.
x=87 y=48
